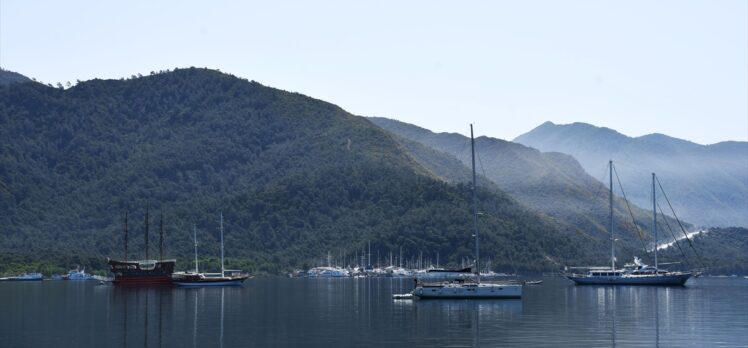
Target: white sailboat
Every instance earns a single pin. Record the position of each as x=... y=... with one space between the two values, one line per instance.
x=469 y=288
x=225 y=278
x=637 y=273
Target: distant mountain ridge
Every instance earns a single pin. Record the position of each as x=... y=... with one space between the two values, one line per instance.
x=707 y=184
x=551 y=183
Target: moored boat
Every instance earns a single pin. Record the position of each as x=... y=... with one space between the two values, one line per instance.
x=471 y=288
x=76 y=274
x=35 y=276
x=225 y=278
x=468 y=290
x=594 y=277
x=143 y=272
x=637 y=273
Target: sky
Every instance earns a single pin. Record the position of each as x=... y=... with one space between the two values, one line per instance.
x=674 y=67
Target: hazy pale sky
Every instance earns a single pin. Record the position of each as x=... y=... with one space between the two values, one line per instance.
x=673 y=67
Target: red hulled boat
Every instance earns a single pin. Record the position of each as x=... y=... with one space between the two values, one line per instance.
x=143 y=272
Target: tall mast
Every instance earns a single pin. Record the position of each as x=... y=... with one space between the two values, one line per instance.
x=475 y=208
x=194 y=236
x=654 y=216
x=125 y=235
x=222 y=271
x=146 y=231
x=161 y=238
x=610 y=204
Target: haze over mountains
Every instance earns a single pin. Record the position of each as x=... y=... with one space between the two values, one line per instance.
x=556 y=185
x=707 y=184
x=295 y=177
x=551 y=183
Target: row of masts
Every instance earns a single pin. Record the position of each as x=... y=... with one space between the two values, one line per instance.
x=420 y=260
x=161 y=239
x=147 y=224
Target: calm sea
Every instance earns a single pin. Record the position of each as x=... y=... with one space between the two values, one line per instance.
x=279 y=312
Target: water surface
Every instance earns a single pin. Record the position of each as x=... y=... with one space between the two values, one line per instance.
x=360 y=312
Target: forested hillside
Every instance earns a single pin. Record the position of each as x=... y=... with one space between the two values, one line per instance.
x=550 y=183
x=295 y=178
x=720 y=251
x=8 y=77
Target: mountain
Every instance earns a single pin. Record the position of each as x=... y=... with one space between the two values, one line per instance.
x=706 y=184
x=553 y=184
x=296 y=178
x=9 y=77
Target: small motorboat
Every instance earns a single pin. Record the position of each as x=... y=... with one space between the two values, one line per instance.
x=408 y=296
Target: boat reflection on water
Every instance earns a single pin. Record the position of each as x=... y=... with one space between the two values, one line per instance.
x=141 y=310
x=147 y=317
x=466 y=315
x=205 y=311
x=617 y=324
x=455 y=310
x=655 y=295
x=657 y=317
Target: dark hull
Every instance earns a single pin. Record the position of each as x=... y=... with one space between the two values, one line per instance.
x=142 y=273
x=25 y=280
x=655 y=280
x=196 y=280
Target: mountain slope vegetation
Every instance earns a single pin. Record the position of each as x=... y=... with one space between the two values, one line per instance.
x=295 y=178
x=553 y=184
x=8 y=77
x=721 y=250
